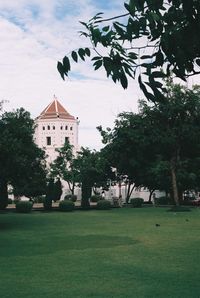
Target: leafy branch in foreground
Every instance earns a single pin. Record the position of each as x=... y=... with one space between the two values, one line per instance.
x=152 y=40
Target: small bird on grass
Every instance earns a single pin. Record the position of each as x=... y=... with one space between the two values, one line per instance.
x=157 y=225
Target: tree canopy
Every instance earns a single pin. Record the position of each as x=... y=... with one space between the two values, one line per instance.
x=22 y=163
x=159 y=147
x=153 y=39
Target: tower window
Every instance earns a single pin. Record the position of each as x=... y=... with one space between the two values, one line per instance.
x=53 y=127
x=66 y=127
x=43 y=127
x=48 y=127
x=61 y=127
x=71 y=128
x=48 y=141
x=66 y=140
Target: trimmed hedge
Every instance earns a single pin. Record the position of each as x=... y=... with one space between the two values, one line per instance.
x=47 y=203
x=24 y=206
x=103 y=205
x=39 y=199
x=137 y=202
x=66 y=206
x=95 y=198
x=72 y=198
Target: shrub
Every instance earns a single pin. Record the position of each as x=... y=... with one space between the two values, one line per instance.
x=162 y=201
x=66 y=205
x=137 y=202
x=24 y=206
x=47 y=203
x=116 y=202
x=95 y=198
x=70 y=197
x=103 y=205
x=39 y=199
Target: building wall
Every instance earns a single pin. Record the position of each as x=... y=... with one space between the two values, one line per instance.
x=57 y=130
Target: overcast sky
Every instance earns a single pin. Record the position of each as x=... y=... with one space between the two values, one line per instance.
x=34 y=35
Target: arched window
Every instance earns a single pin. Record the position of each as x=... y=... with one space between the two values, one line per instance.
x=71 y=128
x=66 y=127
x=48 y=127
x=43 y=127
x=54 y=127
x=61 y=127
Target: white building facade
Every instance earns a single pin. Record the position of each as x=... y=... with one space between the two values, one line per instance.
x=54 y=126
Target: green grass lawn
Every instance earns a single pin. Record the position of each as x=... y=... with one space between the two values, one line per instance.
x=116 y=253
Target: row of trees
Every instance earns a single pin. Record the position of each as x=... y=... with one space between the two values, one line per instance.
x=152 y=40
x=157 y=148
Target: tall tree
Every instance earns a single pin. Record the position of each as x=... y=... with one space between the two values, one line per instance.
x=93 y=170
x=64 y=166
x=21 y=161
x=150 y=40
x=161 y=139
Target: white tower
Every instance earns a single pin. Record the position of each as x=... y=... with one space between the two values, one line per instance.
x=53 y=127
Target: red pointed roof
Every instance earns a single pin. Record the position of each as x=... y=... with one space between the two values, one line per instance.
x=55 y=110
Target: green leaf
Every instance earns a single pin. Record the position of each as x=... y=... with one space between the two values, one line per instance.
x=97 y=64
x=74 y=56
x=81 y=53
x=61 y=69
x=66 y=64
x=148 y=95
x=96 y=58
x=158 y=74
x=198 y=62
x=87 y=52
x=124 y=81
x=106 y=28
x=84 y=24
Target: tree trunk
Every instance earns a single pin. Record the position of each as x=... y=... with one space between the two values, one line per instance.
x=174 y=183
x=129 y=191
x=150 y=195
x=86 y=194
x=3 y=194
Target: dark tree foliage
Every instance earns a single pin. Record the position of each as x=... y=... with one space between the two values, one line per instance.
x=159 y=147
x=22 y=163
x=153 y=39
x=57 y=190
x=93 y=170
x=64 y=167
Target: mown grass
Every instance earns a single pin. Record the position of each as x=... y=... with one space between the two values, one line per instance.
x=116 y=253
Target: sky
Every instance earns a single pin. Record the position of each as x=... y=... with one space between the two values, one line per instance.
x=34 y=35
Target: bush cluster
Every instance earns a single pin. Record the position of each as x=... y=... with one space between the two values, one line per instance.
x=116 y=201
x=66 y=205
x=70 y=197
x=162 y=201
x=47 y=203
x=137 y=202
x=103 y=205
x=24 y=206
x=39 y=199
x=95 y=198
